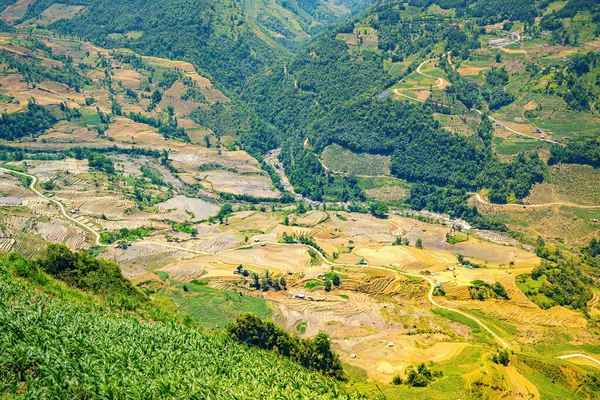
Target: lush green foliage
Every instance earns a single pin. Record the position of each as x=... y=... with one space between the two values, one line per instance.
x=561 y=279
x=311 y=353
x=580 y=151
x=32 y=122
x=88 y=273
x=101 y=163
x=125 y=234
x=502 y=357
x=52 y=348
x=480 y=290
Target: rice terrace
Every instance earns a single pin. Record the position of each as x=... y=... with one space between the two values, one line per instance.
x=334 y=199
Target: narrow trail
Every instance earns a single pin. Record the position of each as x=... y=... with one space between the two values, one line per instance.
x=557 y=203
x=64 y=213
x=398 y=92
x=440 y=82
x=566 y=357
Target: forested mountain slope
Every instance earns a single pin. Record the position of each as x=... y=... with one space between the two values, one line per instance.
x=329 y=93
x=228 y=40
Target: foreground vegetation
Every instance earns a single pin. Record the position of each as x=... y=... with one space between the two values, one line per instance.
x=71 y=345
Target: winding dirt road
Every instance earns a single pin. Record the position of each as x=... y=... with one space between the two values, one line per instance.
x=64 y=213
x=557 y=203
x=441 y=81
x=581 y=356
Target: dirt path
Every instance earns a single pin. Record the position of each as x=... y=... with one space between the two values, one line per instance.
x=441 y=83
x=566 y=357
x=34 y=180
x=558 y=203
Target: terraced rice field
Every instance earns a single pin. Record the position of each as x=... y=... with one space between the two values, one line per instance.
x=278 y=259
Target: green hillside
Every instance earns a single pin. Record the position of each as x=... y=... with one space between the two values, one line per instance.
x=228 y=40
x=57 y=342
x=359 y=87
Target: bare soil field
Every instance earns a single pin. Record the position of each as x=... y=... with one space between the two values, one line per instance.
x=190 y=157
x=338 y=159
x=179 y=206
x=387 y=193
x=229 y=182
x=311 y=218
x=52 y=14
x=16 y=11
x=277 y=259
x=570 y=183
x=45 y=170
x=129 y=78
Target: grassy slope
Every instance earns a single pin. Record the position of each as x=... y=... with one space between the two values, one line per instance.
x=67 y=347
x=214 y=308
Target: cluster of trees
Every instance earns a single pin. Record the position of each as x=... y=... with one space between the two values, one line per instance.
x=493 y=11
x=399 y=241
x=480 y=290
x=215 y=36
x=493 y=89
x=578 y=82
x=266 y=283
x=420 y=377
x=101 y=163
x=167 y=126
x=125 y=234
x=33 y=71
x=577 y=151
x=32 y=122
x=88 y=273
x=513 y=180
x=565 y=280
x=565 y=284
x=501 y=357
x=311 y=353
x=310 y=179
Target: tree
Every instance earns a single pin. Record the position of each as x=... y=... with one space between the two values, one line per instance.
x=58 y=259
x=502 y=357
x=397 y=380
x=255 y=281
x=327 y=285
x=419 y=244
x=336 y=280
x=156 y=96
x=378 y=209
x=282 y=282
